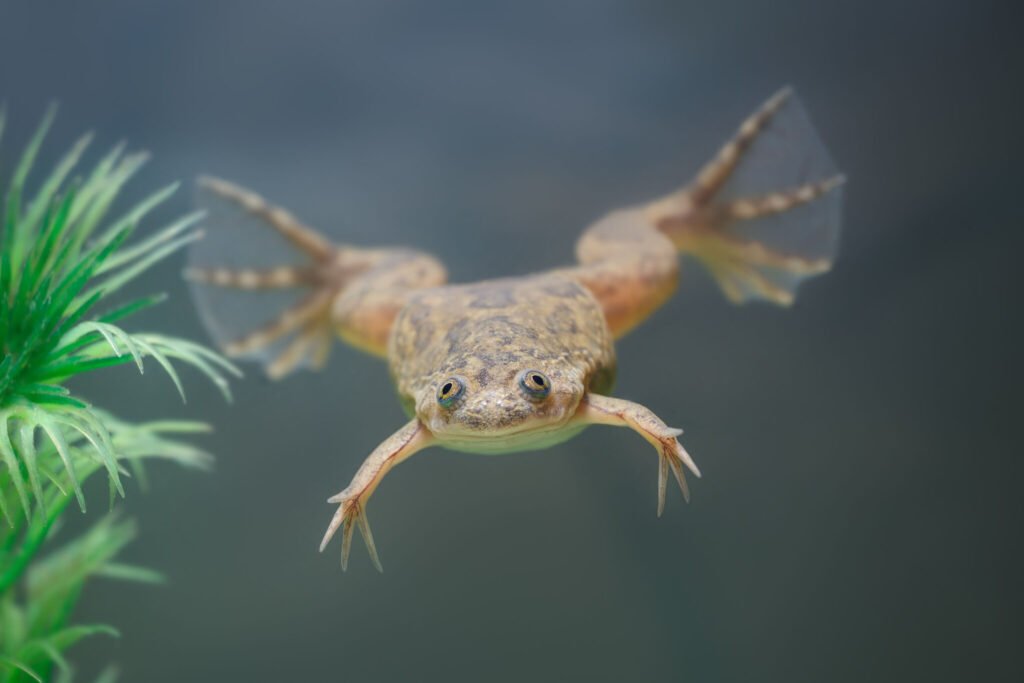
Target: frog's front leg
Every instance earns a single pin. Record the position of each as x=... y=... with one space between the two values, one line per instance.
x=352 y=500
x=617 y=412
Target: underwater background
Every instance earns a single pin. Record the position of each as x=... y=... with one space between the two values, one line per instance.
x=859 y=517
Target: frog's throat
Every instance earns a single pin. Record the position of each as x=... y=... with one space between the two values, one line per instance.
x=523 y=440
x=531 y=435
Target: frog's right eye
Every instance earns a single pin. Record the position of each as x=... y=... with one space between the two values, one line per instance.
x=449 y=391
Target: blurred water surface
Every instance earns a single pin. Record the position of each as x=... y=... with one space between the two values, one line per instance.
x=858 y=518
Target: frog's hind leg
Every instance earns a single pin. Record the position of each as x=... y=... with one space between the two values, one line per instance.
x=308 y=324
x=331 y=288
x=760 y=242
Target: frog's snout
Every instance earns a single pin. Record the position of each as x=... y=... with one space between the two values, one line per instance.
x=483 y=411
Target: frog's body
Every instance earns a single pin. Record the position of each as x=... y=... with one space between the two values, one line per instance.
x=486 y=334
x=523 y=363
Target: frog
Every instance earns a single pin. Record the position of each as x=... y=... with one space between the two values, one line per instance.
x=523 y=363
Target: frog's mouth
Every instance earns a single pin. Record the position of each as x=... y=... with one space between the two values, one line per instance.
x=511 y=441
x=529 y=435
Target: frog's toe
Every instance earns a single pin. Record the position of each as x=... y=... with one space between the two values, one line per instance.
x=672 y=455
x=351 y=513
x=747 y=269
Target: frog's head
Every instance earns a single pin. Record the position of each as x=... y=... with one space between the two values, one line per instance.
x=501 y=403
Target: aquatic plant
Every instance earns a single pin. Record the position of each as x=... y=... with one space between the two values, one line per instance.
x=61 y=259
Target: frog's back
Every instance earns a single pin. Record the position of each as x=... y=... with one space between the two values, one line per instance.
x=500 y=326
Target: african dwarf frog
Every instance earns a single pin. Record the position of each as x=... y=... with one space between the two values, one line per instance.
x=523 y=363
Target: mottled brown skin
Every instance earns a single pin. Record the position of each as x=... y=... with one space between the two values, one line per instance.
x=487 y=338
x=485 y=334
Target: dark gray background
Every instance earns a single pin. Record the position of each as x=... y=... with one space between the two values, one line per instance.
x=859 y=516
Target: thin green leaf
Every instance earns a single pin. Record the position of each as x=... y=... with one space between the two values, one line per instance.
x=177 y=427
x=57 y=439
x=53 y=182
x=45 y=389
x=57 y=483
x=108 y=675
x=5 y=513
x=131 y=308
x=107 y=187
x=75 y=366
x=187 y=347
x=129 y=572
x=96 y=181
x=57 y=221
x=146 y=246
x=135 y=214
x=67 y=637
x=51 y=399
x=21 y=666
x=67 y=324
x=55 y=655
x=162 y=360
x=11 y=461
x=95 y=432
x=119 y=279
x=71 y=285
x=16 y=234
x=112 y=334
x=27 y=444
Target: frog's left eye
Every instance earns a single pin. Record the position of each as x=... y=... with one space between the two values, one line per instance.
x=535 y=383
x=449 y=391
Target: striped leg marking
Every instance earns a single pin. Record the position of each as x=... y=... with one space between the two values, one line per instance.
x=303 y=238
x=282 y=277
x=716 y=172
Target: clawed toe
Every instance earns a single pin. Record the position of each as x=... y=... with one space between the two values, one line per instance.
x=350 y=514
x=672 y=456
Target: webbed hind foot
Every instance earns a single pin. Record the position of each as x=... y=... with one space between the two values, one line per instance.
x=350 y=291
x=731 y=228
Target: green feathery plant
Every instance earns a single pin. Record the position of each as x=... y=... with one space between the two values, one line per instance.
x=60 y=258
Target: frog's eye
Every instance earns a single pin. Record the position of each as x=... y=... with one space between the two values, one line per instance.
x=535 y=384
x=449 y=391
